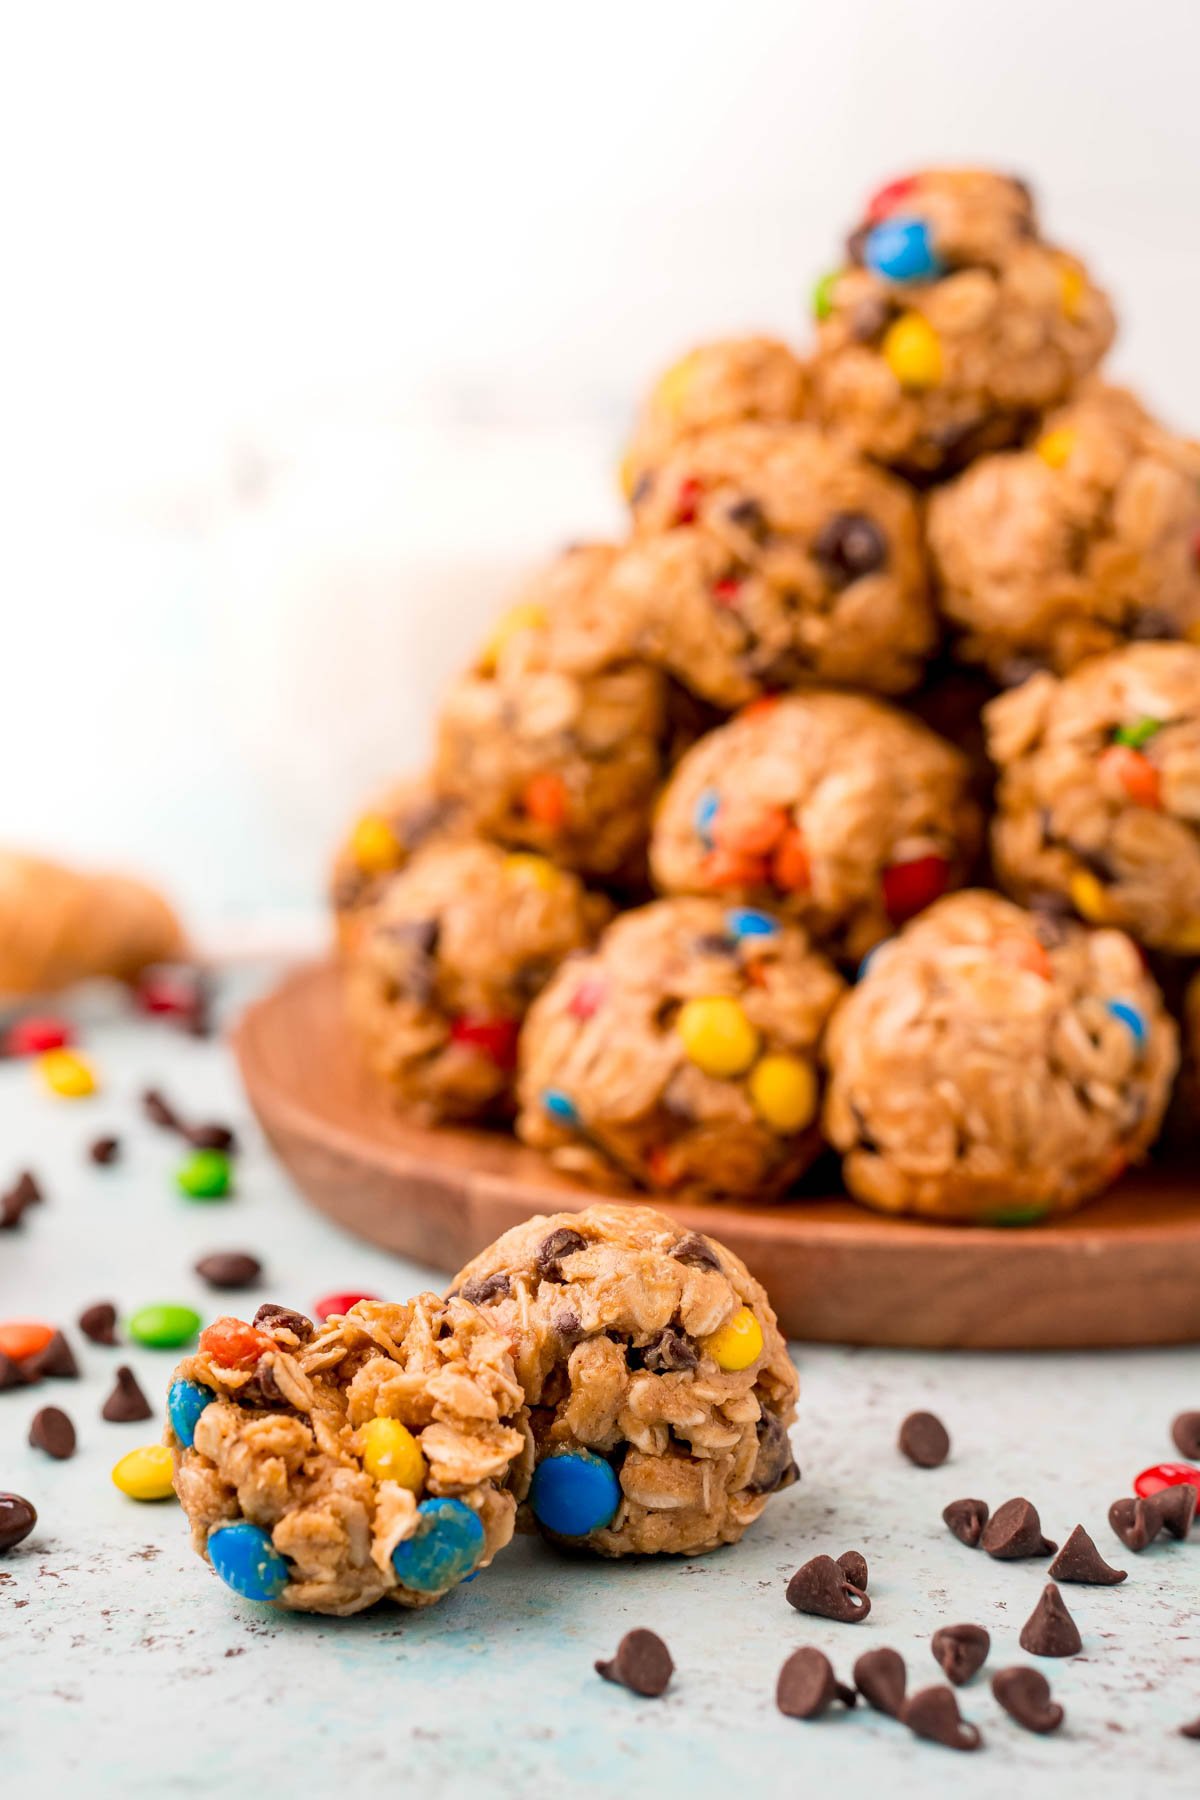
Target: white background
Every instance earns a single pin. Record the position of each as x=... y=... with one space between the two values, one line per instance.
x=320 y=322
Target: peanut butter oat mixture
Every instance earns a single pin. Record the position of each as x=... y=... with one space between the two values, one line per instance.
x=386 y=835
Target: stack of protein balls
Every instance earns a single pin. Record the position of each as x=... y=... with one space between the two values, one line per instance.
x=687 y=892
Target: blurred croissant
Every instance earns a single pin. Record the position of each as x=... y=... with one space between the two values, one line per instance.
x=59 y=926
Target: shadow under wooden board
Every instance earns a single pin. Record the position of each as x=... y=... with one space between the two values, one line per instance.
x=1124 y=1270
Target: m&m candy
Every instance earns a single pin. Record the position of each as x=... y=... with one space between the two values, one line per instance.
x=910 y=886
x=146 y=1474
x=913 y=352
x=20 y=1338
x=1132 y=1020
x=902 y=249
x=445 y=1547
x=67 y=1074
x=204 y=1175
x=574 y=1494
x=1165 y=1475
x=247 y=1561
x=747 y=922
x=560 y=1107
x=163 y=1326
x=708 y=805
x=186 y=1400
x=716 y=1035
x=737 y=1343
x=390 y=1452
x=35 y=1035
x=784 y=1092
x=330 y=1304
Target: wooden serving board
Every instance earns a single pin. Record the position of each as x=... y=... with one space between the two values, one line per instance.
x=1124 y=1270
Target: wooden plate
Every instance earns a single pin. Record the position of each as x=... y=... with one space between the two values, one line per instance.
x=1125 y=1270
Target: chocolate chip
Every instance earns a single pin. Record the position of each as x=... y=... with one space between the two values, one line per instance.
x=1136 y=1522
x=715 y=943
x=273 y=1318
x=55 y=1359
x=104 y=1150
x=1050 y=1630
x=924 y=1440
x=28 y=1189
x=806 y=1686
x=696 y=1252
x=853 y=1565
x=561 y=1243
x=1025 y=1696
x=748 y=515
x=849 y=546
x=17 y=1520
x=856 y=243
x=642 y=1664
x=24 y=1193
x=1149 y=625
x=1190 y=1730
x=670 y=1352
x=966 y=1519
x=643 y=487
x=1079 y=1560
x=1015 y=671
x=12 y=1373
x=127 y=1401
x=870 y=318
x=229 y=1269
x=52 y=1431
x=486 y=1287
x=212 y=1136
x=1177 y=1509
x=820 y=1587
x=423 y=818
x=774 y=1466
x=962 y=1650
x=565 y=1323
x=99 y=1322
x=263 y=1388
x=880 y=1677
x=1015 y=1531
x=159 y=1110
x=1185 y=1434
x=933 y=1713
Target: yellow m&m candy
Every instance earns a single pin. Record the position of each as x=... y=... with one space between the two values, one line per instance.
x=784 y=1092
x=1055 y=447
x=1072 y=287
x=374 y=845
x=1089 y=898
x=524 y=617
x=913 y=352
x=390 y=1452
x=67 y=1074
x=717 y=1036
x=737 y=1343
x=670 y=395
x=1186 y=941
x=529 y=867
x=146 y=1474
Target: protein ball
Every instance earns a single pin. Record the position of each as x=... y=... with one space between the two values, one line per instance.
x=951 y=322
x=1099 y=792
x=447 y=965
x=681 y=1054
x=660 y=1388
x=996 y=1065
x=836 y=810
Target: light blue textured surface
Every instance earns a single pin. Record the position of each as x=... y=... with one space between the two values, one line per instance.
x=129 y=1670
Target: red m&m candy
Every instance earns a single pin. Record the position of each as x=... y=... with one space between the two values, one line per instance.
x=884 y=199
x=910 y=886
x=336 y=1304
x=37 y=1034
x=1165 y=1475
x=494 y=1038
x=234 y=1344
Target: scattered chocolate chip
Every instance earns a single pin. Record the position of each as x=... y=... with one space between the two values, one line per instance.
x=24 y=1192
x=52 y=1431
x=670 y=1352
x=29 y=1189
x=263 y=1388
x=642 y=1664
x=1136 y=1522
x=774 y=1466
x=1176 y=1507
x=1079 y=1560
x=806 y=1686
x=1050 y=1630
x=272 y=1318
x=880 y=1677
x=1190 y=1730
x=849 y=546
x=715 y=943
x=1025 y=1696
x=853 y=1565
x=55 y=1359
x=924 y=1440
x=12 y=1373
x=1185 y=1434
x=99 y=1322
x=749 y=516
x=696 y=1252
x=933 y=1713
x=159 y=1110
x=104 y=1150
x=551 y=1250
x=212 y=1137
x=1150 y=624
x=821 y=1588
x=870 y=318
x=229 y=1269
x=127 y=1401
x=486 y=1287
x=856 y=243
x=966 y=1519
x=1015 y=1531
x=961 y=1650
x=565 y=1322
x=17 y=1520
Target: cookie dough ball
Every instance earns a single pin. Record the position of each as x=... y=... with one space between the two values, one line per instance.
x=835 y=809
x=384 y=838
x=769 y=557
x=660 y=1388
x=1099 y=791
x=952 y=322
x=447 y=965
x=1048 y=555
x=681 y=1054
x=557 y=738
x=380 y=1455
x=723 y=383
x=996 y=1065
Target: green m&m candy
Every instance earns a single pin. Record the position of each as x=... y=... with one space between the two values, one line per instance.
x=164 y=1326
x=204 y=1175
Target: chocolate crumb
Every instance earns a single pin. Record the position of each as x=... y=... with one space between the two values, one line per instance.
x=229 y=1269
x=966 y=1519
x=1079 y=1560
x=933 y=1714
x=854 y=1565
x=56 y=1359
x=487 y=1287
x=1050 y=1630
x=99 y=1322
x=881 y=1678
x=52 y=1431
x=127 y=1401
x=806 y=1686
x=961 y=1650
x=642 y=1664
x=1014 y=1531
x=104 y=1150
x=1025 y=1696
x=924 y=1440
x=821 y=1588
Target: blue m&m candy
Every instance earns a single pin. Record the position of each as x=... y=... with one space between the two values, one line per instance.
x=574 y=1494
x=901 y=249
x=746 y=922
x=247 y=1561
x=560 y=1107
x=707 y=807
x=445 y=1547
x=185 y=1402
x=1131 y=1018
